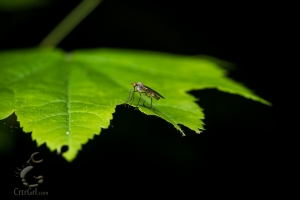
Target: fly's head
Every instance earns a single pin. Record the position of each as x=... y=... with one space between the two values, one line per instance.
x=134 y=85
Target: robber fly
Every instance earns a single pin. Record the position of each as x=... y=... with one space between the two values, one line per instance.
x=142 y=89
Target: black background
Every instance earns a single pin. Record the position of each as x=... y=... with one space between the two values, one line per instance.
x=145 y=151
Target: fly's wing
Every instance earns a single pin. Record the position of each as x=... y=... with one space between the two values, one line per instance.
x=154 y=91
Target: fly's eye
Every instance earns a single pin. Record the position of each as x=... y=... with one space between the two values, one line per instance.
x=134 y=84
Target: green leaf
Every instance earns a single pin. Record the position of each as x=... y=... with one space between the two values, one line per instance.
x=67 y=98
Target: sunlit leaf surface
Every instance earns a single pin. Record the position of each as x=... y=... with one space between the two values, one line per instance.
x=67 y=98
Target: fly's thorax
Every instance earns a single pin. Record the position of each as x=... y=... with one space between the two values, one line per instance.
x=139 y=88
x=140 y=84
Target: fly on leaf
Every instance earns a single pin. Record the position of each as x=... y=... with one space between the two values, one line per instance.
x=142 y=89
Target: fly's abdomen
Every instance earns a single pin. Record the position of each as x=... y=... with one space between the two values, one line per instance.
x=152 y=93
x=155 y=96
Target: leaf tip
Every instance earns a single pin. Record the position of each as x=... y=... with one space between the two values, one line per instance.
x=182 y=134
x=58 y=151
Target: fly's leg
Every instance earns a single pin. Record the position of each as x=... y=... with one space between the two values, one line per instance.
x=132 y=97
x=138 y=101
x=145 y=100
x=151 y=104
x=128 y=99
x=139 y=98
x=129 y=95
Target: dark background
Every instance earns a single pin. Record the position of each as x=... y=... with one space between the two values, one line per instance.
x=145 y=151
